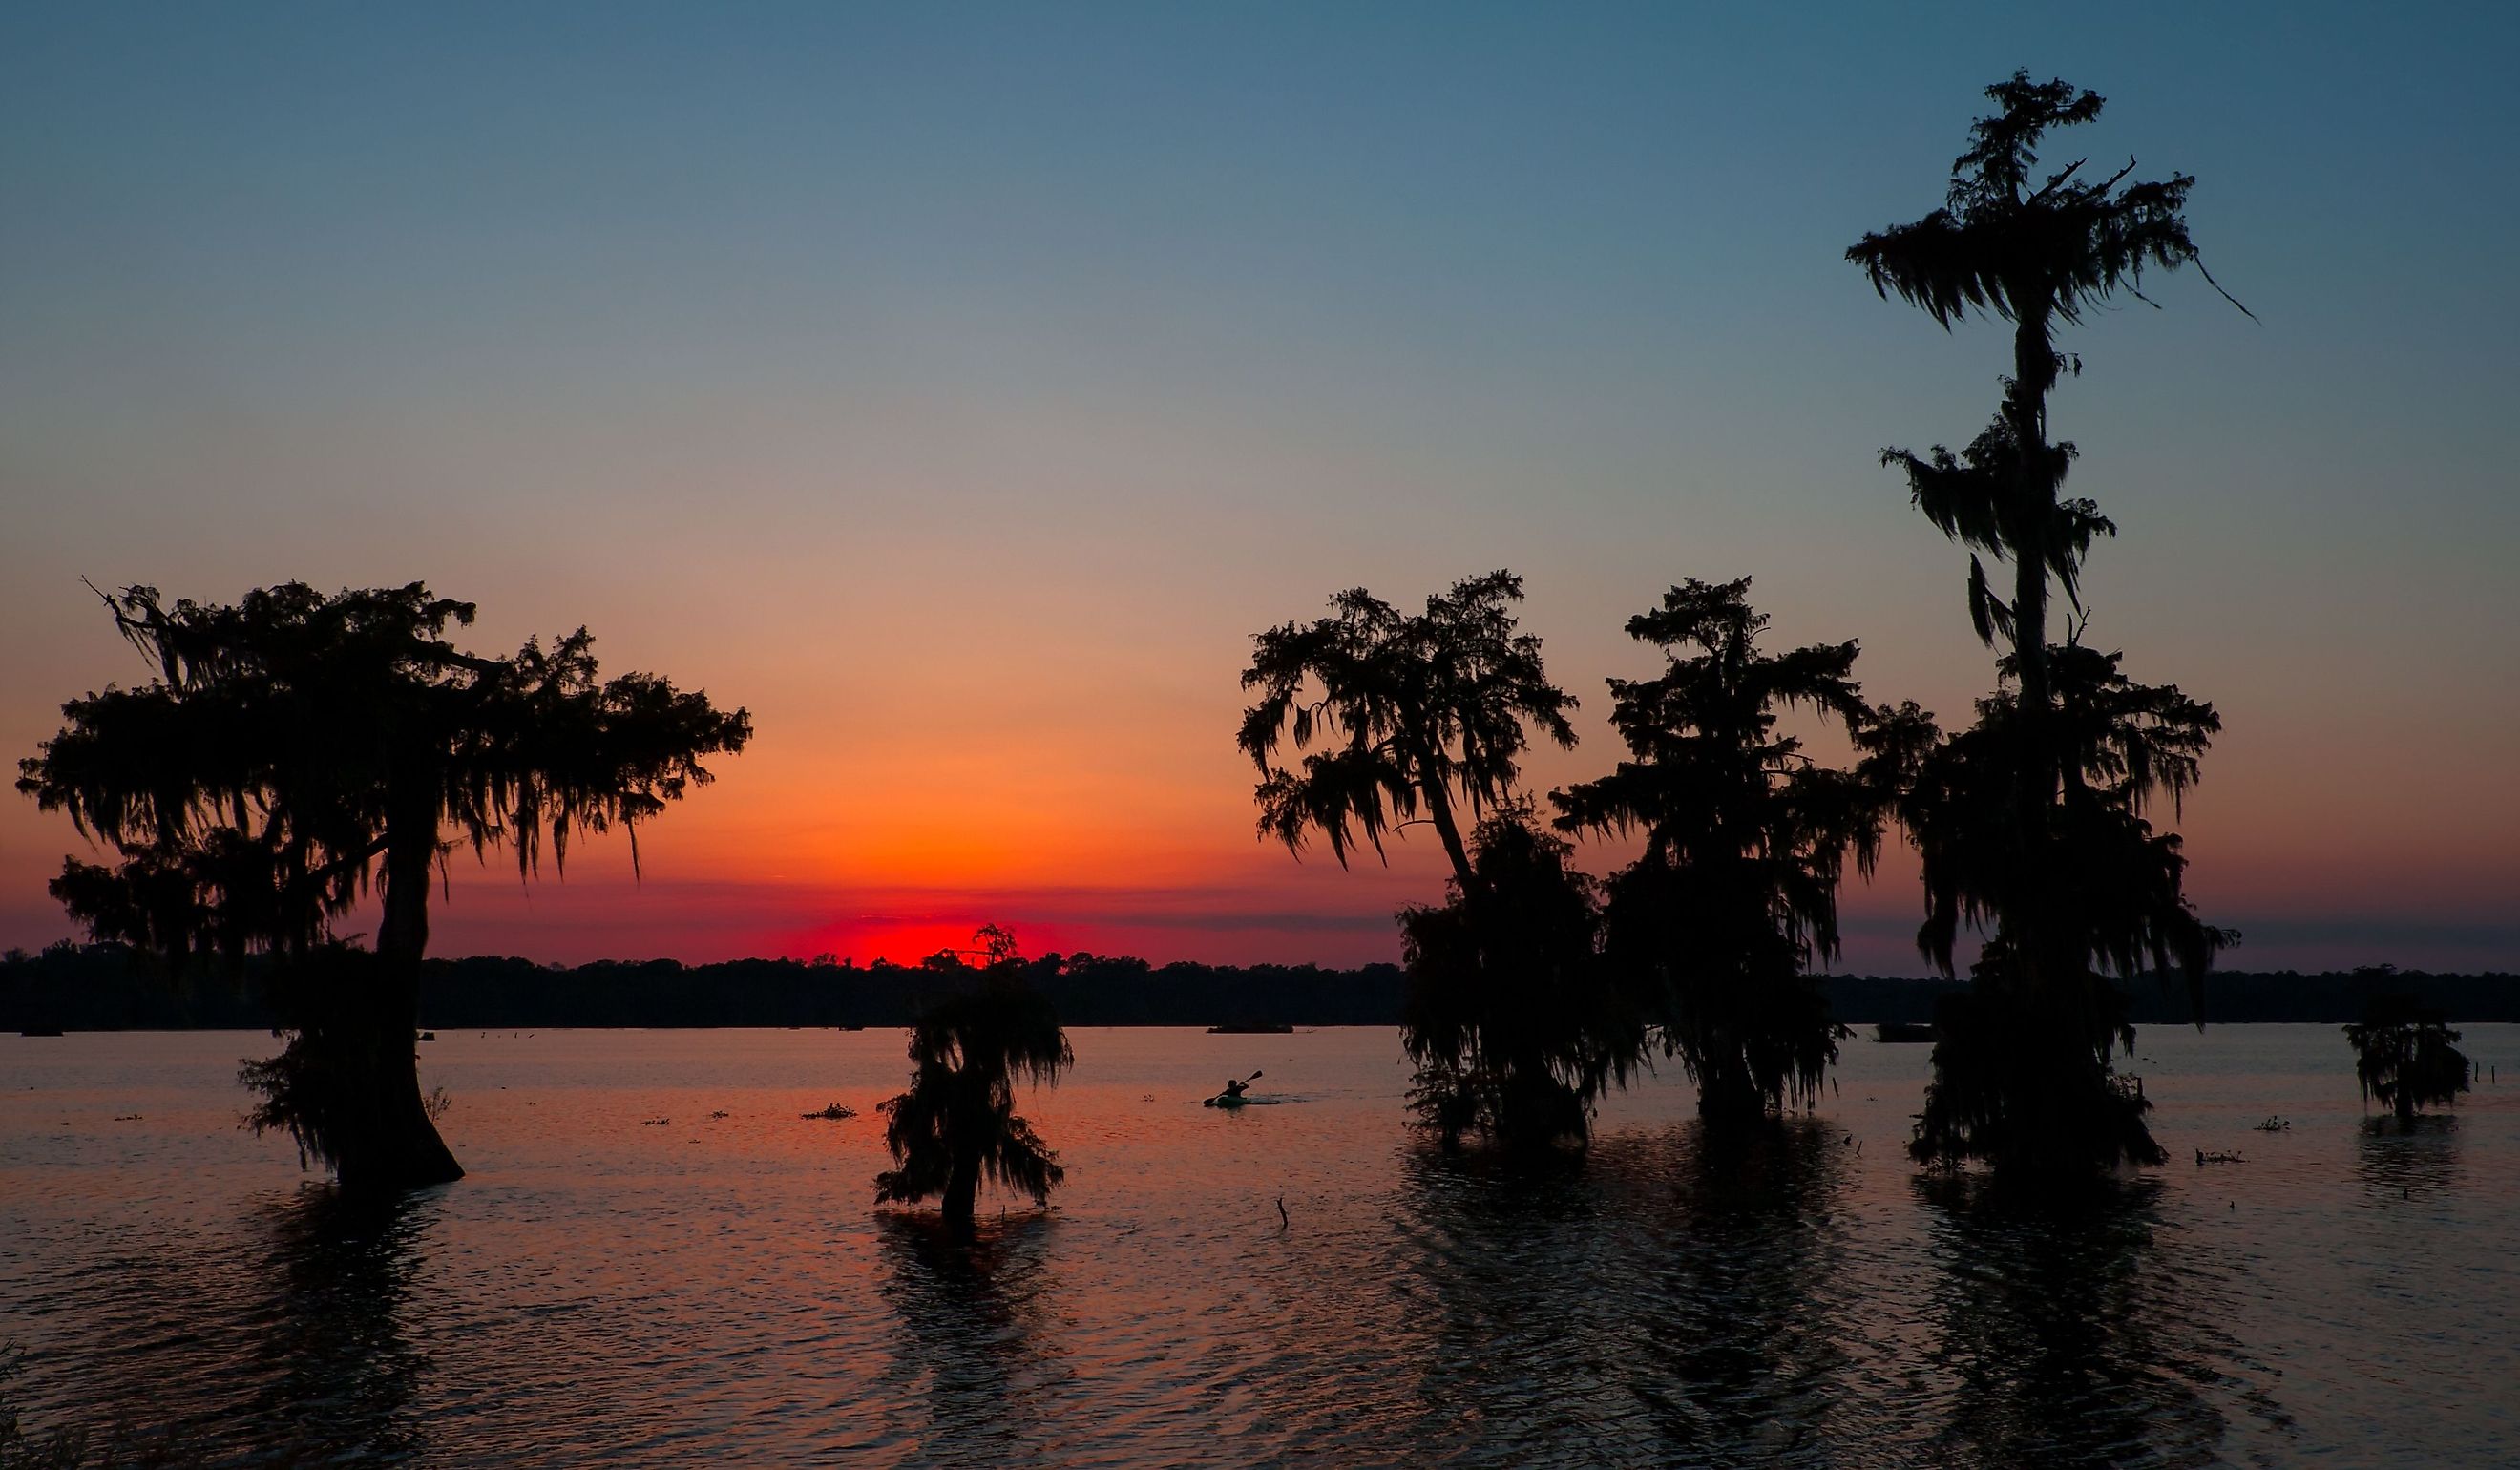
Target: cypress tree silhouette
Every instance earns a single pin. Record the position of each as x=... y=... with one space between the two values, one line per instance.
x=295 y=750
x=1431 y=713
x=2037 y=251
x=2021 y=1070
x=1746 y=840
x=957 y=1124
x=1517 y=1024
x=2404 y=1055
x=1421 y=711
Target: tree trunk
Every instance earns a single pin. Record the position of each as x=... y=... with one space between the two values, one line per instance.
x=2035 y=766
x=2047 y=966
x=383 y=1139
x=1439 y=811
x=961 y=1192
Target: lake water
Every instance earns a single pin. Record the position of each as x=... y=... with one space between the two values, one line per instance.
x=717 y=1289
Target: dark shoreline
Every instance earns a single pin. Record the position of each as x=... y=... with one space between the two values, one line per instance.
x=106 y=988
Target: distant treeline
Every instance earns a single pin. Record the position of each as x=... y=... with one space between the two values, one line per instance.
x=107 y=988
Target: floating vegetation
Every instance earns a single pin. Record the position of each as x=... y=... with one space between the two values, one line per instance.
x=2275 y=1125
x=835 y=1112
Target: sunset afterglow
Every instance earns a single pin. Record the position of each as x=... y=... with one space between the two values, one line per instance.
x=953 y=409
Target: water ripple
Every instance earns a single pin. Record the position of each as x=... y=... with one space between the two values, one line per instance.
x=602 y=1293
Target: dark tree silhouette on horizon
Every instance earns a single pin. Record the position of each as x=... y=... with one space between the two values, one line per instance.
x=2023 y=1070
x=957 y=1124
x=1746 y=840
x=2406 y=1056
x=1430 y=713
x=298 y=751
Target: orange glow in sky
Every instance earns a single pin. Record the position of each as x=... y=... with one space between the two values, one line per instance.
x=963 y=415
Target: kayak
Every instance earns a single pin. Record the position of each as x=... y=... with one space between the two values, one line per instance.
x=1242 y=1101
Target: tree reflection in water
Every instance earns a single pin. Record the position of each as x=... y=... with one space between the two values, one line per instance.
x=345 y=1378
x=973 y=1333
x=1669 y=1301
x=2414 y=1160
x=2070 y=1336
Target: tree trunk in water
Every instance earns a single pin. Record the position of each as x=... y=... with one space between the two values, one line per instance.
x=962 y=1193
x=385 y=1139
x=1728 y=1098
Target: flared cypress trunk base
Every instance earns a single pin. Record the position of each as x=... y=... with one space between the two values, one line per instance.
x=392 y=1144
x=348 y=1085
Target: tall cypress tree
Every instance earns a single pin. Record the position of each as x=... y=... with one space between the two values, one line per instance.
x=2020 y=828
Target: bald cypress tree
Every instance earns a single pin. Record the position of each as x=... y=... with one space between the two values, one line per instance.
x=1405 y=716
x=1413 y=713
x=2406 y=1055
x=300 y=752
x=957 y=1124
x=2022 y=832
x=1713 y=929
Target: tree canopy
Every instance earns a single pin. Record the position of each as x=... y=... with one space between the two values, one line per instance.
x=251 y=790
x=2406 y=1055
x=1747 y=838
x=2011 y=244
x=297 y=750
x=1431 y=710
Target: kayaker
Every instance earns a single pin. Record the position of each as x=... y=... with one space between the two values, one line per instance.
x=1234 y=1090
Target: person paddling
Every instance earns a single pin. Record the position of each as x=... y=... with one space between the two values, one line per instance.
x=1234 y=1087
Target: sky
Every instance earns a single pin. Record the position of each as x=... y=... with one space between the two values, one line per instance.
x=957 y=388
